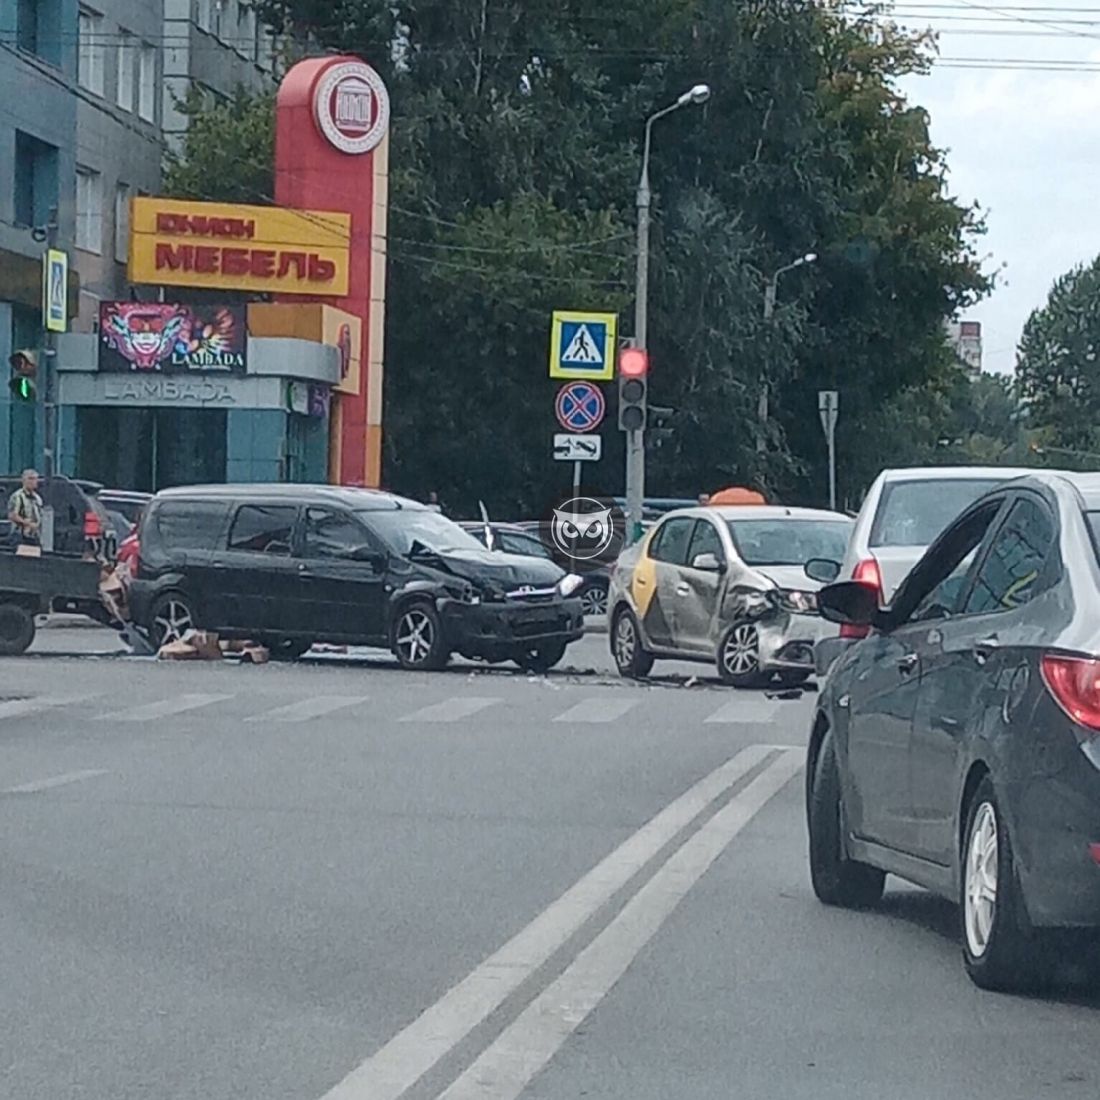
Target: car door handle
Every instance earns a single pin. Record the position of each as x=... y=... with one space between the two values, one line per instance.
x=984 y=649
x=907 y=663
x=218 y=565
x=683 y=590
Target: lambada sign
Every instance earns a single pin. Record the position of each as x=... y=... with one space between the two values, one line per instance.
x=155 y=338
x=352 y=107
x=232 y=247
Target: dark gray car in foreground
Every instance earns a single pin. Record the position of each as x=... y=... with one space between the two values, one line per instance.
x=958 y=746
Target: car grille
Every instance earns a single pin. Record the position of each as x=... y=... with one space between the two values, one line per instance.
x=529 y=595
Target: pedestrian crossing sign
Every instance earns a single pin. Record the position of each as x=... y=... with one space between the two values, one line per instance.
x=582 y=345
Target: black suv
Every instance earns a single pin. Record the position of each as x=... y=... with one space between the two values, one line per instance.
x=290 y=565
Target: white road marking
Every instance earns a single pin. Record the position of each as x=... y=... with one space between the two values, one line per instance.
x=163 y=708
x=509 y=1064
x=393 y=1069
x=305 y=709
x=746 y=709
x=450 y=710
x=53 y=781
x=602 y=708
x=17 y=708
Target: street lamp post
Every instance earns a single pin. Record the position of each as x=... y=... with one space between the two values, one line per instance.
x=771 y=289
x=635 y=440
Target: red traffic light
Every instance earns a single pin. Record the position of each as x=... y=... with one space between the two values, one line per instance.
x=633 y=363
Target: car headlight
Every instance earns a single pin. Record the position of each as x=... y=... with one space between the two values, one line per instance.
x=569 y=584
x=791 y=599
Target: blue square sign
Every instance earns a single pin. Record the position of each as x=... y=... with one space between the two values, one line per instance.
x=582 y=345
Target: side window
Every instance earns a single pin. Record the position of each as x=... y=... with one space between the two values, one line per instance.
x=706 y=540
x=1009 y=576
x=938 y=582
x=670 y=544
x=263 y=528
x=188 y=524
x=521 y=544
x=332 y=534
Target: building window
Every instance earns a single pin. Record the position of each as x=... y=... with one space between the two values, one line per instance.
x=124 y=93
x=204 y=15
x=26 y=26
x=147 y=82
x=89 y=210
x=122 y=222
x=90 y=55
x=35 y=180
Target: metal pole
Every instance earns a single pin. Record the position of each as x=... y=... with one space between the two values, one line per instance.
x=49 y=421
x=771 y=288
x=832 y=469
x=576 y=479
x=635 y=440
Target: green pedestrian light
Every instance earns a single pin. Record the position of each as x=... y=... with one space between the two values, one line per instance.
x=24 y=366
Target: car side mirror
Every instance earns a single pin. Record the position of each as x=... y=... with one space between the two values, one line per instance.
x=850 y=604
x=708 y=563
x=824 y=570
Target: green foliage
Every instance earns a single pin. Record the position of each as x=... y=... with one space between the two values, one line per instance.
x=514 y=157
x=1058 y=372
x=228 y=150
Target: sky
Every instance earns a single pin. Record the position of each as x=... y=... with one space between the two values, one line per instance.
x=1015 y=101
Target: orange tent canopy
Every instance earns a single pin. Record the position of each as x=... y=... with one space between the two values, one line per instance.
x=736 y=495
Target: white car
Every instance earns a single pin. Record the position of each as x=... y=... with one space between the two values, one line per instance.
x=902 y=514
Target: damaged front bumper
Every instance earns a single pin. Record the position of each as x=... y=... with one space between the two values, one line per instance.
x=787 y=641
x=499 y=629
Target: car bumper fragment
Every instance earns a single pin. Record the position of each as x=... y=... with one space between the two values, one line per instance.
x=493 y=629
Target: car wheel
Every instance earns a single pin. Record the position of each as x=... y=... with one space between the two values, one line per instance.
x=594 y=598
x=170 y=619
x=999 y=950
x=417 y=635
x=739 y=656
x=16 y=629
x=541 y=659
x=836 y=879
x=631 y=658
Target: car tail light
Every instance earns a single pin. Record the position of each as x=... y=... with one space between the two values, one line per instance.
x=93 y=528
x=1075 y=684
x=868 y=573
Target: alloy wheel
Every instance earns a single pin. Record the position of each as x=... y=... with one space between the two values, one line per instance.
x=415 y=636
x=173 y=621
x=626 y=642
x=594 y=600
x=741 y=653
x=980 y=895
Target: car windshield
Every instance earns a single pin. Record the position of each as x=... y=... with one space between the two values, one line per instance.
x=403 y=528
x=913 y=513
x=789 y=541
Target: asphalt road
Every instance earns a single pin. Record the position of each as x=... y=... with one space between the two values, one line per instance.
x=337 y=881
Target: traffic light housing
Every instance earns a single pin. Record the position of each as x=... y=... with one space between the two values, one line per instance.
x=24 y=369
x=659 y=428
x=633 y=381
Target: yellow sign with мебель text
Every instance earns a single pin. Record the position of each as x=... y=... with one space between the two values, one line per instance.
x=220 y=246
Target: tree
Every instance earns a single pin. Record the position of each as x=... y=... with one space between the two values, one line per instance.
x=514 y=158
x=1056 y=366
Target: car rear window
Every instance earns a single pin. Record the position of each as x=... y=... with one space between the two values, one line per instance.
x=189 y=524
x=913 y=513
x=789 y=541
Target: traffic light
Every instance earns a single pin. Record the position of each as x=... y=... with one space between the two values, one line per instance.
x=24 y=369
x=658 y=428
x=633 y=369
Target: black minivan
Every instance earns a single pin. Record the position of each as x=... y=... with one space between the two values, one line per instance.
x=290 y=565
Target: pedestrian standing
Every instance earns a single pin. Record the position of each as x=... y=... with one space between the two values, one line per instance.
x=433 y=502
x=25 y=510
x=703 y=498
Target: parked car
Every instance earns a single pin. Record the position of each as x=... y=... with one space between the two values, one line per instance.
x=903 y=512
x=958 y=746
x=724 y=584
x=79 y=518
x=528 y=537
x=294 y=564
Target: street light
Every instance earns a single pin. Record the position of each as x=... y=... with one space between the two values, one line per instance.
x=771 y=289
x=635 y=441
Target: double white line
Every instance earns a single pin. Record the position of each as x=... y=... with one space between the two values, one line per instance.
x=506 y=1067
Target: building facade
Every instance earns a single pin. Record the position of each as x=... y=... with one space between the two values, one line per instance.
x=88 y=105
x=965 y=338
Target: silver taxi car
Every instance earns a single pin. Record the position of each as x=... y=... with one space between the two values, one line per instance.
x=728 y=585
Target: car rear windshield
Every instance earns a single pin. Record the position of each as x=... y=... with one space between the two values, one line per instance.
x=789 y=541
x=188 y=524
x=402 y=528
x=913 y=513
